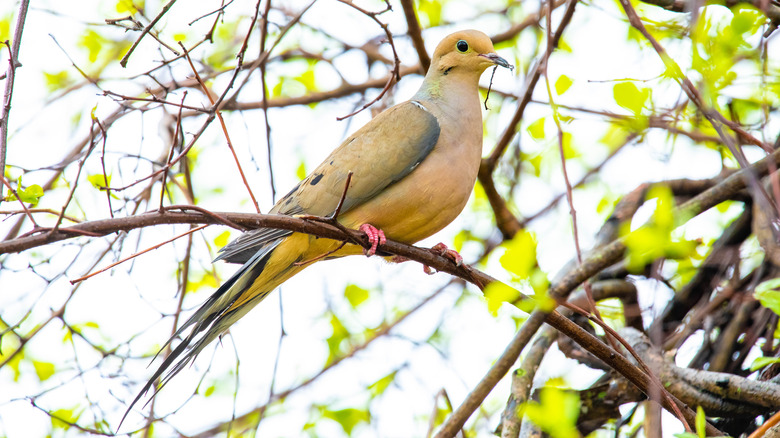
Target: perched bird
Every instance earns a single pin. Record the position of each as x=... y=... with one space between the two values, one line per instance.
x=413 y=168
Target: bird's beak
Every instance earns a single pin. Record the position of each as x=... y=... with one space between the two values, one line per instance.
x=497 y=60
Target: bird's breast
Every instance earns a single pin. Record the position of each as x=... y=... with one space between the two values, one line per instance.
x=434 y=193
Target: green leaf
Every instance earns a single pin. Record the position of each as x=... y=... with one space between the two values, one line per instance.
x=222 y=239
x=206 y=279
x=460 y=239
x=497 y=293
x=300 y=172
x=348 y=418
x=701 y=422
x=630 y=97
x=747 y=19
x=562 y=84
x=379 y=387
x=430 y=9
x=769 y=296
x=569 y=151
x=63 y=418
x=13 y=362
x=615 y=136
x=654 y=239
x=5 y=28
x=210 y=390
x=93 y=42
x=536 y=129
x=356 y=295
x=30 y=194
x=520 y=255
x=99 y=181
x=127 y=6
x=340 y=333
x=56 y=81
x=542 y=299
x=44 y=370
x=761 y=362
x=556 y=413
x=536 y=163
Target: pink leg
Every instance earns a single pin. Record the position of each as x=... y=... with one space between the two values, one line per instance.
x=376 y=237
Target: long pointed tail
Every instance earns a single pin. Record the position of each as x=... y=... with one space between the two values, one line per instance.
x=213 y=318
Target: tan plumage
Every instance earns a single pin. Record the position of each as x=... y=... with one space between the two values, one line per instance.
x=414 y=166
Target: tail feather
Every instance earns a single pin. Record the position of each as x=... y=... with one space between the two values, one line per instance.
x=209 y=321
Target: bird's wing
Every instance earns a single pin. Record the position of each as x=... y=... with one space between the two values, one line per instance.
x=379 y=154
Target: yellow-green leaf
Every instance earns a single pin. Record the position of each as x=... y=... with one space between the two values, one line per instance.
x=127 y=6
x=562 y=84
x=56 y=81
x=768 y=294
x=355 y=294
x=701 y=422
x=536 y=129
x=30 y=194
x=497 y=293
x=348 y=418
x=556 y=413
x=379 y=387
x=44 y=370
x=300 y=172
x=93 y=42
x=630 y=97
x=63 y=418
x=761 y=362
x=99 y=181
x=222 y=239
x=520 y=255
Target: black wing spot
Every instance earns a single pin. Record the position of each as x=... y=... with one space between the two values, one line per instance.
x=316 y=179
x=288 y=195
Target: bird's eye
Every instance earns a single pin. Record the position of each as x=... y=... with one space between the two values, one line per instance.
x=462 y=46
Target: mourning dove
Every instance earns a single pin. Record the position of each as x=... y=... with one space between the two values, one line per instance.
x=414 y=167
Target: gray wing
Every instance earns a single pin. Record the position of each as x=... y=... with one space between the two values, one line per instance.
x=375 y=161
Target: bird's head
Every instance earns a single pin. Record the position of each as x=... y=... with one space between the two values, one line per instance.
x=467 y=52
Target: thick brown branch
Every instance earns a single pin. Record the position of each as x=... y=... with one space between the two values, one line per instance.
x=415 y=33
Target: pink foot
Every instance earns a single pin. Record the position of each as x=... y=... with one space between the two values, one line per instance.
x=449 y=253
x=439 y=248
x=376 y=237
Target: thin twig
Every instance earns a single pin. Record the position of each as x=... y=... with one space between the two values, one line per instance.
x=146 y=30
x=16 y=195
x=13 y=63
x=395 y=75
x=224 y=127
x=132 y=256
x=75 y=181
x=263 y=36
x=174 y=144
x=104 y=135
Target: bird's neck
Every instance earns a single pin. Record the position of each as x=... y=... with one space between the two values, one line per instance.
x=452 y=91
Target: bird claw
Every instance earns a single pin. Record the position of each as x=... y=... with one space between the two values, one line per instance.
x=451 y=254
x=440 y=249
x=376 y=237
